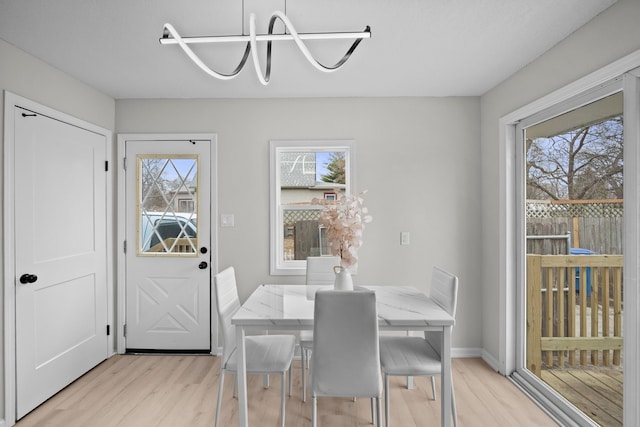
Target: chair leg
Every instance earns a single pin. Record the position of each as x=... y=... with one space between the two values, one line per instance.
x=386 y=400
x=290 y=378
x=379 y=412
x=454 y=410
x=282 y=398
x=409 y=383
x=235 y=386
x=314 y=411
x=304 y=380
x=220 y=385
x=433 y=388
x=373 y=414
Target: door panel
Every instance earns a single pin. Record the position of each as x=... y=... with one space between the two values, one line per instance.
x=168 y=275
x=60 y=211
x=571 y=167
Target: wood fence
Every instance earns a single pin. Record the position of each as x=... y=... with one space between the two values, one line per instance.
x=590 y=224
x=602 y=235
x=306 y=239
x=574 y=308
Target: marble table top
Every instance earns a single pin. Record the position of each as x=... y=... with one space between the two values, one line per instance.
x=291 y=307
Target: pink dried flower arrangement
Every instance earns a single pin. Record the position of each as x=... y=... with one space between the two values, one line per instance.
x=344 y=220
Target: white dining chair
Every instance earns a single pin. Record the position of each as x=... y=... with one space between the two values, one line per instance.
x=319 y=273
x=266 y=354
x=346 y=352
x=420 y=356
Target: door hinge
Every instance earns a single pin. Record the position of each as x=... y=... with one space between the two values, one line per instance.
x=124 y=163
x=124 y=246
x=124 y=329
x=106 y=165
x=108 y=329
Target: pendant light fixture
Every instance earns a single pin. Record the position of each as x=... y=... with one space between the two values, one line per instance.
x=171 y=36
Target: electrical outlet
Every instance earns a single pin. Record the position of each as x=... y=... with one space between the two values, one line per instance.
x=404 y=238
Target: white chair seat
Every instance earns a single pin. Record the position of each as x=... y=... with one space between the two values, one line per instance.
x=319 y=273
x=265 y=354
x=420 y=356
x=346 y=349
x=408 y=356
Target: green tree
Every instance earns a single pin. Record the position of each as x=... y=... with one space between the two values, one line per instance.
x=335 y=169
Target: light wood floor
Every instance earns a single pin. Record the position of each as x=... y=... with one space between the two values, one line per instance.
x=180 y=391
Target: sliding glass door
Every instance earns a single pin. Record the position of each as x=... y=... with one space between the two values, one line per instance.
x=571 y=250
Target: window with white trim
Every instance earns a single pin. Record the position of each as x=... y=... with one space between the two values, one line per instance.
x=302 y=171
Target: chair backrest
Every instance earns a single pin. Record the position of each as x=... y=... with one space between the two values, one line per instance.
x=320 y=270
x=444 y=291
x=346 y=351
x=227 y=303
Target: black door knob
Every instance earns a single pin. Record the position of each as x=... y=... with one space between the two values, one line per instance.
x=203 y=265
x=28 y=278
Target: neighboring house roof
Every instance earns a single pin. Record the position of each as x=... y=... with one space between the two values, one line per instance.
x=298 y=169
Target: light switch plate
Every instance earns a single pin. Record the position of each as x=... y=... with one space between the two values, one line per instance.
x=227 y=220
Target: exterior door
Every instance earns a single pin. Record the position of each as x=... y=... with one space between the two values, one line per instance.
x=572 y=253
x=60 y=255
x=168 y=245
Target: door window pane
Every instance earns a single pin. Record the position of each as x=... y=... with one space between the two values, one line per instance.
x=574 y=262
x=167 y=205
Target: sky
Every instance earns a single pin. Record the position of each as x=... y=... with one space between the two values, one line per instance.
x=322 y=159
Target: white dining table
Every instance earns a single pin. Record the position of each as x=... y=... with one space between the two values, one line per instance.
x=290 y=307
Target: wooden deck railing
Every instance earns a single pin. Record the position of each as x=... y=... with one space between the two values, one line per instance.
x=563 y=322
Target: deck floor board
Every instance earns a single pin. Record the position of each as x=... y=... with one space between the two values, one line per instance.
x=596 y=392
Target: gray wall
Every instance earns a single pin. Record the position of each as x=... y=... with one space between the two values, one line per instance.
x=417 y=157
x=610 y=36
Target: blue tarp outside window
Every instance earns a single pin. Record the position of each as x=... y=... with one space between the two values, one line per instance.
x=581 y=251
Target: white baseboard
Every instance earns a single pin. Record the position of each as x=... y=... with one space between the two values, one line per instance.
x=466 y=352
x=491 y=361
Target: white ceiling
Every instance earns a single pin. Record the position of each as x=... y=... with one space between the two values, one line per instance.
x=417 y=48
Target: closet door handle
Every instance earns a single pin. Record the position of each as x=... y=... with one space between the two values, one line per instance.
x=28 y=278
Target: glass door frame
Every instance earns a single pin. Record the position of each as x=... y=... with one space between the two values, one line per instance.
x=510 y=360
x=522 y=373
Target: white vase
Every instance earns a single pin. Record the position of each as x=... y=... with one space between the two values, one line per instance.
x=343 y=279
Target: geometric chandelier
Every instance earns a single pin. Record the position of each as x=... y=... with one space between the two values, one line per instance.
x=171 y=36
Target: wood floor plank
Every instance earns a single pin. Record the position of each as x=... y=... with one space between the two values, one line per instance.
x=177 y=391
x=480 y=388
